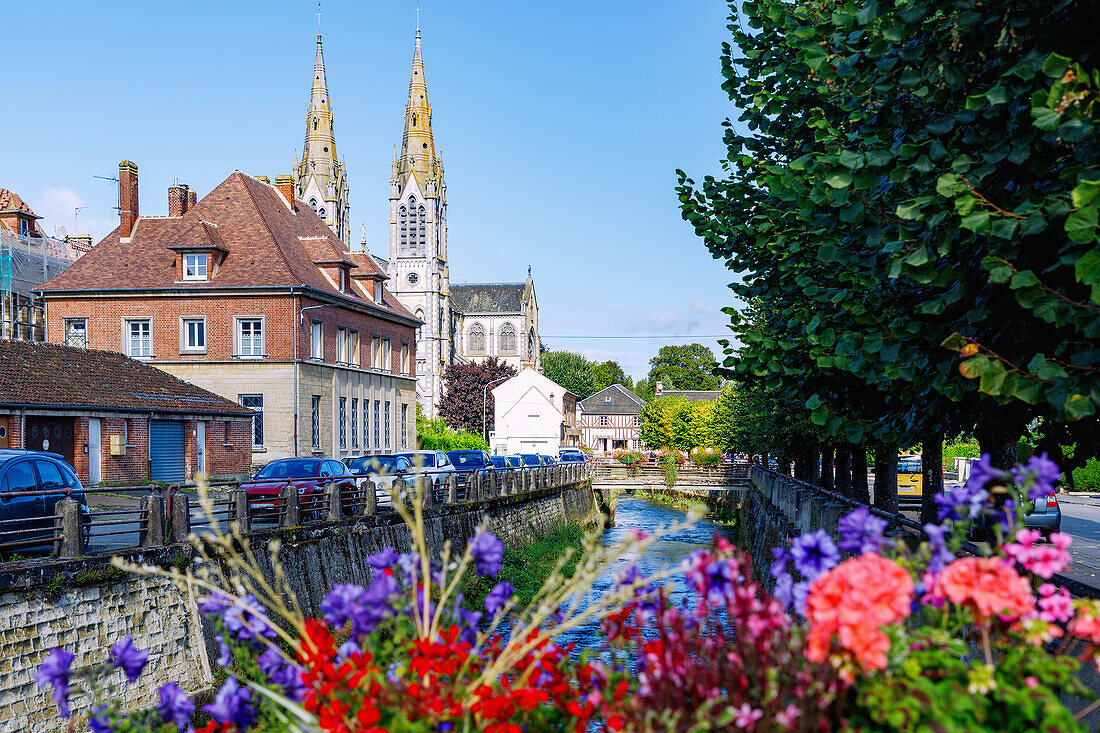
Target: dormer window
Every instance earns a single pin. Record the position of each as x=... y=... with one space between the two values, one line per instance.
x=195 y=266
x=343 y=280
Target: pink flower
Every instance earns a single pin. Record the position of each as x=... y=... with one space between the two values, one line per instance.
x=1031 y=681
x=787 y=716
x=987 y=586
x=1086 y=624
x=747 y=715
x=1042 y=561
x=1060 y=540
x=1054 y=604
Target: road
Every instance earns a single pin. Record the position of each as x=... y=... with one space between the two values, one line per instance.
x=1081 y=521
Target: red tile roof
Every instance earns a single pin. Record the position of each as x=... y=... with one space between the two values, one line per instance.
x=267 y=243
x=53 y=375
x=10 y=200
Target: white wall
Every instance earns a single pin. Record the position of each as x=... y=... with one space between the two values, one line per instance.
x=528 y=409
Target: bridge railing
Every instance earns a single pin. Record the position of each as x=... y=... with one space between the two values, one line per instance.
x=109 y=520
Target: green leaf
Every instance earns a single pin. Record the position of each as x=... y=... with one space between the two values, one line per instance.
x=1087 y=272
x=1081 y=225
x=851 y=159
x=1085 y=193
x=1005 y=228
x=1056 y=65
x=840 y=180
x=975 y=101
x=1045 y=118
x=1079 y=406
x=949 y=185
x=909 y=211
x=976 y=222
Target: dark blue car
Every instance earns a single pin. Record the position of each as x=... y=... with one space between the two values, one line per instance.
x=31 y=485
x=468 y=461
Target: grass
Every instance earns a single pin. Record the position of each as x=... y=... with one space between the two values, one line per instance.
x=528 y=567
x=723 y=513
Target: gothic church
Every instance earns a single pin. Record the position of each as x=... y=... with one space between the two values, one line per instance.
x=467 y=322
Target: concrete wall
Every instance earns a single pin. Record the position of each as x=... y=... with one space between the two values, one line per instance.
x=72 y=605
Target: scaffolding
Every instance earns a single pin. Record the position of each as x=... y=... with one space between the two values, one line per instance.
x=25 y=263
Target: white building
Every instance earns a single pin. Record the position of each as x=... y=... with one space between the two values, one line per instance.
x=533 y=414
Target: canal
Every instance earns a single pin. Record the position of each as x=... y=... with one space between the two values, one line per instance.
x=633 y=513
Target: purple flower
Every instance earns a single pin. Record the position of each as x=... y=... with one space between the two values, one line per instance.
x=364 y=607
x=469 y=621
x=488 y=554
x=498 y=597
x=216 y=603
x=784 y=591
x=346 y=649
x=960 y=504
x=719 y=582
x=982 y=473
x=245 y=620
x=290 y=679
x=814 y=553
x=55 y=670
x=233 y=705
x=937 y=542
x=382 y=560
x=860 y=531
x=128 y=658
x=782 y=557
x=225 y=653
x=271 y=661
x=175 y=706
x=799 y=592
x=1039 y=475
x=98 y=722
x=410 y=563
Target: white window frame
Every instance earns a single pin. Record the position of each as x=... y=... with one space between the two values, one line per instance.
x=127 y=339
x=252 y=427
x=67 y=331
x=317 y=340
x=387 y=365
x=185 y=345
x=353 y=347
x=197 y=257
x=315 y=422
x=341 y=345
x=238 y=337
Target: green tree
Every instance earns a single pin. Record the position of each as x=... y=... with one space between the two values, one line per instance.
x=570 y=370
x=609 y=373
x=690 y=366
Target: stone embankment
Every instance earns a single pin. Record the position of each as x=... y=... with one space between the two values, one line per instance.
x=86 y=605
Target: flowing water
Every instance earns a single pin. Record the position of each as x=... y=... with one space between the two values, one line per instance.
x=633 y=513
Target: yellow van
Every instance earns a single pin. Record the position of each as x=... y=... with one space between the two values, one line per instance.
x=910 y=479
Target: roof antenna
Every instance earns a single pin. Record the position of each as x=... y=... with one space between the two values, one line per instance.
x=319 y=14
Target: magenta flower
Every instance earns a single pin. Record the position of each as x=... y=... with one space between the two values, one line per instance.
x=746 y=716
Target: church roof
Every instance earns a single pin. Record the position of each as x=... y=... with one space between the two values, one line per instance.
x=487 y=297
x=267 y=243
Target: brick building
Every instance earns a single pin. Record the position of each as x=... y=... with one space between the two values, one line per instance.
x=115 y=419
x=250 y=295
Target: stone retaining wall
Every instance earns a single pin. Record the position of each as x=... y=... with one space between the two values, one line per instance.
x=83 y=606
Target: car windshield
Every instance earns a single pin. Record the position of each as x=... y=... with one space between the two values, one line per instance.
x=466 y=458
x=909 y=465
x=290 y=469
x=420 y=459
x=375 y=464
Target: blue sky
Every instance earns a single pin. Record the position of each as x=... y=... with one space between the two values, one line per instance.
x=561 y=125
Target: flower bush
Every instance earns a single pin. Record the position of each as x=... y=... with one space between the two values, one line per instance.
x=864 y=633
x=705 y=457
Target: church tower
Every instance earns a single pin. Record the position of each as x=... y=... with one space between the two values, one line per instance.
x=418 y=238
x=321 y=178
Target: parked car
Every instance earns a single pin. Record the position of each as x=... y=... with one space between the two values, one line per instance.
x=309 y=475
x=433 y=464
x=572 y=455
x=31 y=485
x=500 y=462
x=468 y=461
x=381 y=470
x=1046 y=517
x=547 y=460
x=531 y=459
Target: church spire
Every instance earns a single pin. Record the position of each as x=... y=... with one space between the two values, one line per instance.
x=418 y=145
x=321 y=178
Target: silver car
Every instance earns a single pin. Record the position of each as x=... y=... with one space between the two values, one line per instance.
x=434 y=465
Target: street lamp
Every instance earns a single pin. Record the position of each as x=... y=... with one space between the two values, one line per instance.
x=484 y=397
x=301 y=318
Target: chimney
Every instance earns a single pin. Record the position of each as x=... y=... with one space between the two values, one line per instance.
x=80 y=242
x=285 y=184
x=177 y=199
x=192 y=198
x=264 y=179
x=127 y=198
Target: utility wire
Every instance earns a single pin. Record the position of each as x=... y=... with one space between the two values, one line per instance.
x=662 y=336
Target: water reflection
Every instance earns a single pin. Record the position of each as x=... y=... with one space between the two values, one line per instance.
x=633 y=513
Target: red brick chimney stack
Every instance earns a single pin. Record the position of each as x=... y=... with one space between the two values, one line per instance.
x=177 y=199
x=127 y=197
x=192 y=198
x=285 y=184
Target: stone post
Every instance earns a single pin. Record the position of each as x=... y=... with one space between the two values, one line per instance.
x=426 y=488
x=180 y=521
x=292 y=515
x=152 y=512
x=400 y=491
x=335 y=503
x=68 y=534
x=239 y=499
x=370 y=498
x=452 y=487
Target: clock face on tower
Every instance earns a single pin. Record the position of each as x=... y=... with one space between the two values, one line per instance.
x=413 y=277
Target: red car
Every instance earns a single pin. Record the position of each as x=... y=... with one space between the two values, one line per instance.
x=309 y=475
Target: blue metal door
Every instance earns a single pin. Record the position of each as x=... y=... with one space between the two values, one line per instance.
x=166 y=453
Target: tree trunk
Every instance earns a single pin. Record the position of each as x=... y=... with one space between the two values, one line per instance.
x=932 y=463
x=886 y=477
x=844 y=469
x=827 y=467
x=998 y=439
x=860 y=490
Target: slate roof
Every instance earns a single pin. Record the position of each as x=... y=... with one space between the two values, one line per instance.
x=267 y=244
x=53 y=375
x=693 y=395
x=623 y=402
x=487 y=297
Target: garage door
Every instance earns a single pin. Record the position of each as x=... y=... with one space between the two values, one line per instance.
x=166 y=456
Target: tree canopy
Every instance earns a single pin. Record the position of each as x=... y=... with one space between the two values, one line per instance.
x=464 y=388
x=690 y=366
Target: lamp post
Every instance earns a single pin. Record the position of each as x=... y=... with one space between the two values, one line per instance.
x=484 y=397
x=301 y=319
